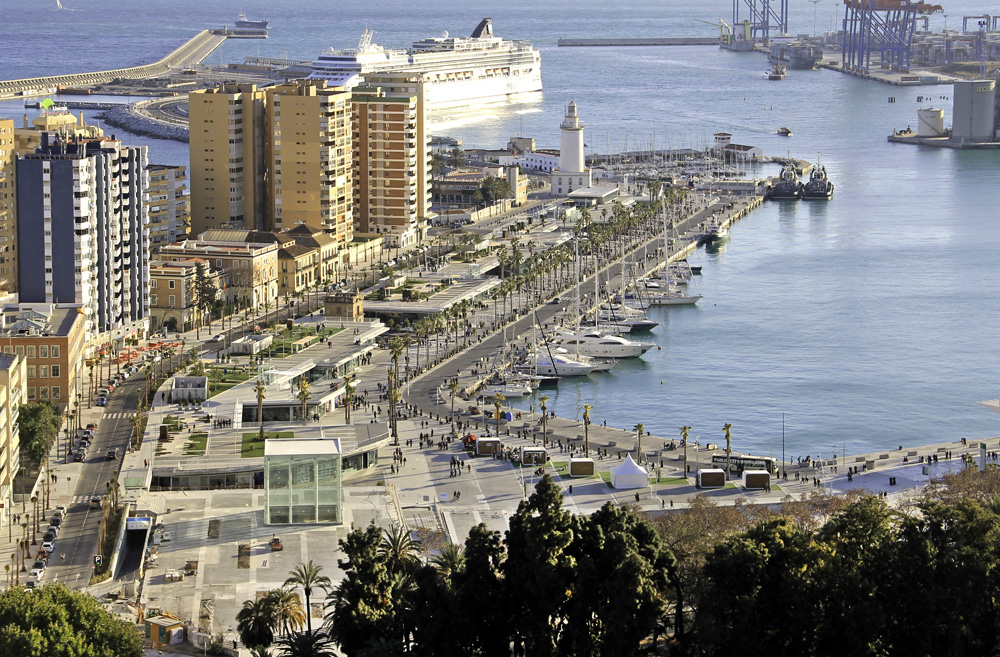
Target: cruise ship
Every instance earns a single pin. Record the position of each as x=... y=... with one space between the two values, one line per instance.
x=457 y=70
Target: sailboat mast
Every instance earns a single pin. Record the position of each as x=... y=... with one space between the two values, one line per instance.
x=576 y=250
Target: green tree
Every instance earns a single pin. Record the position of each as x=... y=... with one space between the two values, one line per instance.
x=256 y=621
x=360 y=608
x=308 y=576
x=727 y=429
x=52 y=620
x=39 y=425
x=639 y=429
x=288 y=612
x=498 y=401
x=400 y=552
x=538 y=571
x=349 y=390
x=586 y=429
x=545 y=409
x=685 y=432
x=306 y=644
x=453 y=389
x=206 y=292
x=488 y=628
x=457 y=159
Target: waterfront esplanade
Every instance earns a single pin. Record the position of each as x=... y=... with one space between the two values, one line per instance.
x=302 y=481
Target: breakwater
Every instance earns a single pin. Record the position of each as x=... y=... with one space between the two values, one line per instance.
x=639 y=41
x=125 y=117
x=193 y=51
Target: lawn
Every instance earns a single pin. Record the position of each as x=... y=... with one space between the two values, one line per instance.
x=219 y=382
x=282 y=345
x=253 y=448
x=196 y=444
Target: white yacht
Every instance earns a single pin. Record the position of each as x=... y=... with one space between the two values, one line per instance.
x=601 y=345
x=560 y=365
x=507 y=389
x=456 y=70
x=674 y=299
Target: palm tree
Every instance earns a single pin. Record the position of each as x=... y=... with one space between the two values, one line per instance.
x=498 y=401
x=727 y=429
x=396 y=349
x=288 y=611
x=639 y=428
x=586 y=429
x=306 y=644
x=260 y=390
x=684 y=442
x=450 y=561
x=303 y=396
x=349 y=390
x=307 y=575
x=541 y=405
x=453 y=388
x=399 y=549
x=255 y=623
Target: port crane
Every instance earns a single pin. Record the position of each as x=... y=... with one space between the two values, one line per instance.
x=885 y=26
x=730 y=38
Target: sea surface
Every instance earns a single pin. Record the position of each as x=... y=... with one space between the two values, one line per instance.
x=868 y=322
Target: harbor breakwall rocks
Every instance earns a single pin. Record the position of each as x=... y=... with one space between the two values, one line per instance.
x=125 y=117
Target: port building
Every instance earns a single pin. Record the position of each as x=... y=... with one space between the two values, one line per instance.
x=8 y=209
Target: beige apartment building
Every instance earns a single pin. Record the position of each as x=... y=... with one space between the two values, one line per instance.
x=50 y=340
x=12 y=395
x=309 y=155
x=392 y=193
x=228 y=162
x=169 y=219
x=251 y=280
x=173 y=292
x=8 y=209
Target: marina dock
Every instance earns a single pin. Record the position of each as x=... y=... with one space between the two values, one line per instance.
x=192 y=52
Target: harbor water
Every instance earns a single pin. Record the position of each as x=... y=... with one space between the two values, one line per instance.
x=868 y=320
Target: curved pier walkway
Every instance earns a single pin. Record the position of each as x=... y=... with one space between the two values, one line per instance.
x=193 y=51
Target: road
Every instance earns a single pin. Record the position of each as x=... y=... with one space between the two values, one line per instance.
x=80 y=531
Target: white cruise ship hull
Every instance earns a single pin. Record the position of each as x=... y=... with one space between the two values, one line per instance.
x=455 y=93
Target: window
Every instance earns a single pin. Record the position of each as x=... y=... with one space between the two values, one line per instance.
x=31 y=371
x=56 y=392
x=43 y=371
x=152 y=283
x=43 y=351
x=54 y=351
x=55 y=371
x=172 y=301
x=31 y=393
x=19 y=350
x=152 y=300
x=31 y=351
x=8 y=349
x=43 y=392
x=170 y=284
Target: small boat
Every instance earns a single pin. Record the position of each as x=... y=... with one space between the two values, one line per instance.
x=788 y=187
x=507 y=389
x=819 y=187
x=599 y=344
x=784 y=132
x=674 y=299
x=559 y=365
x=777 y=72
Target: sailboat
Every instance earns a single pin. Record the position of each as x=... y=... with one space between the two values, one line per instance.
x=670 y=297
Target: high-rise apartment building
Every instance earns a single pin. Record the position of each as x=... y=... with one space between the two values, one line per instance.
x=268 y=159
x=228 y=163
x=12 y=395
x=392 y=190
x=8 y=209
x=83 y=235
x=309 y=157
x=169 y=217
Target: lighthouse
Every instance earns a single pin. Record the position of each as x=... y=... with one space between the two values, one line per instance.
x=572 y=172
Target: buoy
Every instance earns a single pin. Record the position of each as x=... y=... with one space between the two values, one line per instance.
x=661 y=383
x=658 y=347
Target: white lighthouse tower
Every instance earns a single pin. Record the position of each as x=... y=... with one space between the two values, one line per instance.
x=572 y=172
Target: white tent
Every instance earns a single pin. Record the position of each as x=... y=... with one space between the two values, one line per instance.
x=629 y=475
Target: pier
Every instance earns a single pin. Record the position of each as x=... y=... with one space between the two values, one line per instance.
x=192 y=52
x=649 y=41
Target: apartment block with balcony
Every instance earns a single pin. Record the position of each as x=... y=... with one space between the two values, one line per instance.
x=50 y=339
x=169 y=218
x=12 y=395
x=8 y=209
x=309 y=152
x=228 y=162
x=83 y=232
x=392 y=193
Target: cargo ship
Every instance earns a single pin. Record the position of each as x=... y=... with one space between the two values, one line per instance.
x=245 y=29
x=456 y=70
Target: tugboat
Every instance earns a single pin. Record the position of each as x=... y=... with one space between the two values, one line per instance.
x=788 y=187
x=819 y=188
x=784 y=132
x=777 y=72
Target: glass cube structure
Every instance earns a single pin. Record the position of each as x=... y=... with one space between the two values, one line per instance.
x=302 y=481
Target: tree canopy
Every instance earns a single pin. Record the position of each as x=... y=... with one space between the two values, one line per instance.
x=38 y=427
x=53 y=621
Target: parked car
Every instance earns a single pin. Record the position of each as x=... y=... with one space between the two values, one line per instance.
x=60 y=512
x=30 y=584
x=49 y=545
x=92 y=427
x=102 y=401
x=55 y=525
x=38 y=570
x=81 y=456
x=221 y=337
x=95 y=503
